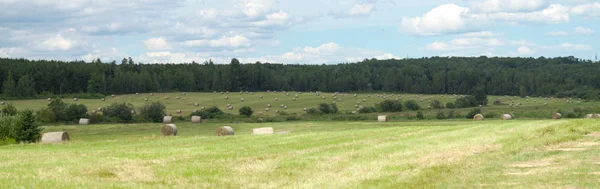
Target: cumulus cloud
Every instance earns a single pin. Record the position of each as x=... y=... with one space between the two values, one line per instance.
x=557 y=33
x=588 y=10
x=361 y=10
x=57 y=43
x=449 y=18
x=583 y=31
x=157 y=44
x=493 y=6
x=226 y=42
x=554 y=14
x=525 y=51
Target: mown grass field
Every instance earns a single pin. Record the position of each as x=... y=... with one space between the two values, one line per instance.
x=425 y=154
x=534 y=107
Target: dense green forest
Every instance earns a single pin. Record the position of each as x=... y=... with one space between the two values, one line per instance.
x=563 y=76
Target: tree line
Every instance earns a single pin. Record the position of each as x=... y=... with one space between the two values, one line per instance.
x=562 y=76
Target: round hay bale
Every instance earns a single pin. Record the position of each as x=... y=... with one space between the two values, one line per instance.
x=595 y=116
x=179 y=111
x=196 y=104
x=166 y=97
x=556 y=116
x=285 y=107
x=176 y=97
x=478 y=117
x=267 y=109
x=225 y=131
x=102 y=99
x=49 y=99
x=269 y=105
x=230 y=108
x=276 y=99
x=228 y=105
x=323 y=97
x=242 y=99
x=588 y=116
x=112 y=95
x=84 y=121
x=196 y=119
x=202 y=108
x=260 y=97
x=382 y=118
x=260 y=113
x=294 y=99
x=184 y=93
x=260 y=120
x=151 y=94
x=305 y=109
x=226 y=98
x=169 y=130
x=55 y=137
x=75 y=99
x=168 y=119
x=137 y=93
x=145 y=99
x=506 y=117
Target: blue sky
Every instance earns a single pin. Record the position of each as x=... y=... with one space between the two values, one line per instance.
x=305 y=32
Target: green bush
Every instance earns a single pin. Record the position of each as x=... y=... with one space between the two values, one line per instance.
x=436 y=104
x=465 y=102
x=420 y=115
x=292 y=118
x=209 y=113
x=328 y=108
x=412 y=105
x=441 y=115
x=76 y=111
x=246 y=110
x=450 y=105
x=313 y=111
x=473 y=112
x=59 y=110
x=390 y=106
x=367 y=109
x=451 y=114
x=153 y=112
x=9 y=110
x=19 y=128
x=120 y=112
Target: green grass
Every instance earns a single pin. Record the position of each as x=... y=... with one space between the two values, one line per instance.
x=529 y=108
x=433 y=154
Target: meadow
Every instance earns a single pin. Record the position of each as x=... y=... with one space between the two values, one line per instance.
x=420 y=154
x=530 y=107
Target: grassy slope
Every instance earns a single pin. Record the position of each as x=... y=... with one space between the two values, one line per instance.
x=454 y=154
x=345 y=103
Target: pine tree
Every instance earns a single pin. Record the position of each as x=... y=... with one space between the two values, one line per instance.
x=26 y=87
x=29 y=131
x=8 y=87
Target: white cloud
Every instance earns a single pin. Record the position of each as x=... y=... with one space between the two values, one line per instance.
x=554 y=14
x=57 y=43
x=361 y=10
x=525 y=51
x=491 y=6
x=557 y=33
x=449 y=18
x=465 y=43
x=438 y=46
x=257 y=8
x=574 y=47
x=157 y=44
x=583 y=30
x=225 y=42
x=10 y=52
x=590 y=10
x=480 y=34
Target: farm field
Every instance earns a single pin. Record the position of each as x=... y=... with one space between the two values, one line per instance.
x=529 y=107
x=423 y=154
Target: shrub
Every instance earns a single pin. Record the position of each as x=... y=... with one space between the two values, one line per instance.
x=390 y=106
x=367 y=109
x=313 y=111
x=9 y=110
x=292 y=118
x=119 y=111
x=209 y=113
x=450 y=105
x=412 y=105
x=420 y=115
x=246 y=110
x=59 y=110
x=328 y=108
x=465 y=102
x=436 y=104
x=19 y=128
x=154 y=112
x=451 y=114
x=76 y=111
x=489 y=115
x=441 y=115
x=473 y=112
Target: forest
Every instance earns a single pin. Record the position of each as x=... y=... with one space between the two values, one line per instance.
x=561 y=76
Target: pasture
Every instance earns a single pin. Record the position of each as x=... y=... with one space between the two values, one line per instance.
x=531 y=107
x=434 y=154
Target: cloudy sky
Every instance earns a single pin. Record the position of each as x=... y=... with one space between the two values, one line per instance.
x=290 y=31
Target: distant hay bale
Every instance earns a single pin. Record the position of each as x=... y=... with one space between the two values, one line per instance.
x=382 y=118
x=230 y=107
x=169 y=130
x=75 y=99
x=226 y=98
x=595 y=116
x=166 y=97
x=112 y=95
x=282 y=105
x=49 y=99
x=196 y=119
x=252 y=93
x=260 y=97
x=285 y=107
x=269 y=105
x=556 y=116
x=323 y=97
x=84 y=121
x=55 y=137
x=145 y=99
x=293 y=99
x=179 y=111
x=102 y=99
x=176 y=97
x=267 y=109
x=276 y=99
x=202 y=108
x=305 y=109
x=184 y=93
x=196 y=104
x=263 y=131
x=260 y=113
x=225 y=131
x=260 y=120
x=506 y=117
x=588 y=116
x=478 y=117
x=168 y=119
x=151 y=94
x=242 y=99
x=137 y=93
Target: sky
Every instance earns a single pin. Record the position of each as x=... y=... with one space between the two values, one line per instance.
x=296 y=32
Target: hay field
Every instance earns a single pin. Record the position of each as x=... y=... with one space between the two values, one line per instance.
x=346 y=102
x=426 y=154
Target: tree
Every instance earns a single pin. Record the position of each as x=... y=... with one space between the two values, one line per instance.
x=154 y=112
x=480 y=96
x=8 y=86
x=246 y=110
x=121 y=112
x=436 y=104
x=28 y=130
x=76 y=111
x=328 y=108
x=412 y=105
x=9 y=110
x=390 y=106
x=26 y=86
